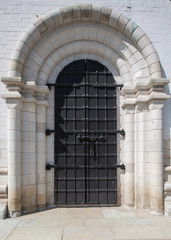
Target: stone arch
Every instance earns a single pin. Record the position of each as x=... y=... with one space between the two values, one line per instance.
x=66 y=26
x=47 y=46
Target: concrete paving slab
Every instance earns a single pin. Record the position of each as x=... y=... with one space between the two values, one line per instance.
x=85 y=233
x=37 y=233
x=138 y=232
x=106 y=222
x=141 y=221
x=7 y=226
x=110 y=213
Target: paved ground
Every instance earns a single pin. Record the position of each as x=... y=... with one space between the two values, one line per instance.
x=86 y=224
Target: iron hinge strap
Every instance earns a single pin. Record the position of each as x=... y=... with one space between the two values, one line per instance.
x=122 y=132
x=49 y=166
x=120 y=86
x=50 y=85
x=121 y=166
x=112 y=85
x=48 y=132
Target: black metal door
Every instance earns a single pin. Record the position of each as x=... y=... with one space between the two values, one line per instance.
x=85 y=135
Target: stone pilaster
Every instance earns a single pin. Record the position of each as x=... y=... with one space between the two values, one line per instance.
x=147 y=154
x=14 y=99
x=129 y=156
x=156 y=159
x=14 y=157
x=142 y=143
x=41 y=146
x=29 y=148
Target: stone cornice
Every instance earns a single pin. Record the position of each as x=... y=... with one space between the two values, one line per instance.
x=28 y=92
x=42 y=90
x=13 y=84
x=12 y=81
x=144 y=93
x=143 y=85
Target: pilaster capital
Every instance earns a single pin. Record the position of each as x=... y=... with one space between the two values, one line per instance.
x=129 y=109
x=40 y=95
x=14 y=86
x=145 y=91
x=156 y=104
x=141 y=107
x=14 y=103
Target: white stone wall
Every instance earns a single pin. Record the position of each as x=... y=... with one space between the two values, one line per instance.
x=153 y=16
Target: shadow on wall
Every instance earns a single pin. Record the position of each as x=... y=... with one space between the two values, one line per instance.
x=167 y=125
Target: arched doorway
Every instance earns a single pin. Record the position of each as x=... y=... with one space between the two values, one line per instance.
x=51 y=43
x=85 y=135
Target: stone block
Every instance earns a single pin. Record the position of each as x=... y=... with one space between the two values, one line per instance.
x=107 y=53
x=155 y=114
x=127 y=79
x=32 y=179
x=15 y=65
x=86 y=11
x=137 y=34
x=156 y=135
x=156 y=155
x=167 y=207
x=76 y=15
x=105 y=14
x=3 y=211
x=124 y=69
x=57 y=16
x=152 y=58
x=96 y=10
x=122 y=22
x=156 y=125
x=147 y=50
x=41 y=189
x=66 y=13
x=117 y=39
x=22 y=47
x=135 y=58
x=156 y=168
x=34 y=32
x=28 y=40
x=114 y=16
x=155 y=67
x=41 y=200
x=156 y=74
x=18 y=56
x=130 y=28
x=49 y=20
x=41 y=25
x=14 y=146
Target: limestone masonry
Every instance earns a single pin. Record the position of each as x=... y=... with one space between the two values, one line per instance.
x=38 y=39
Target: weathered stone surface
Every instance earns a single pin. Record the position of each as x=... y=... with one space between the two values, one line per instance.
x=3 y=211
x=86 y=11
x=41 y=25
x=105 y=14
